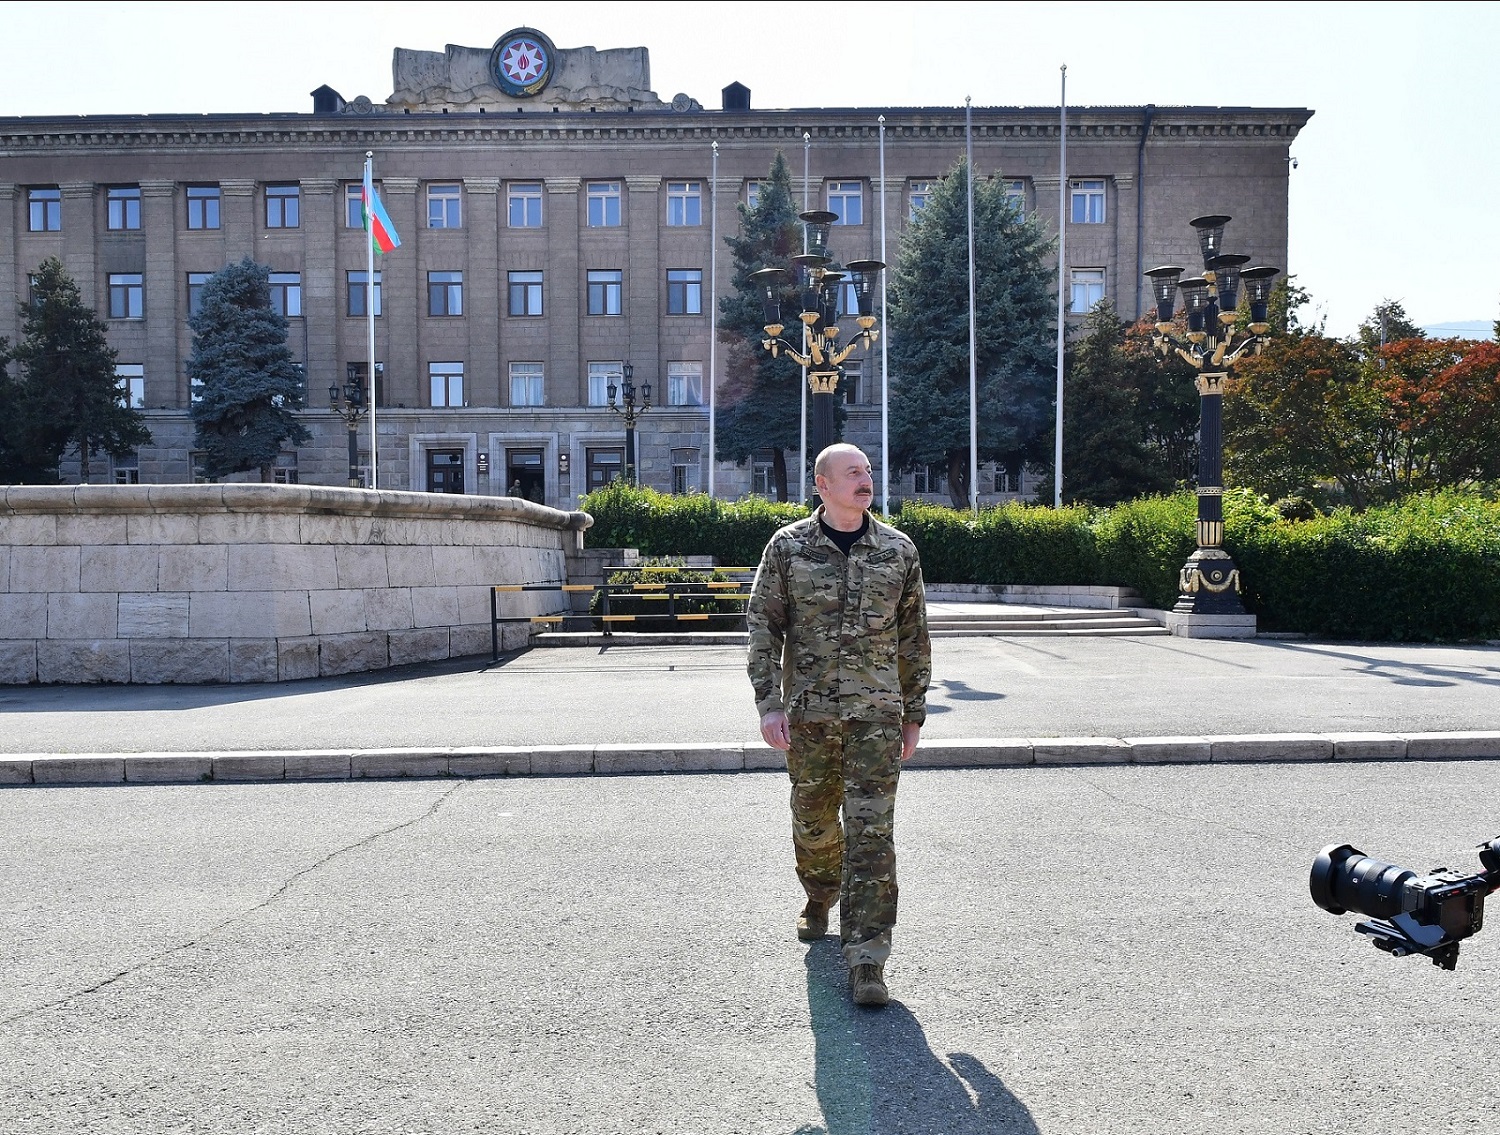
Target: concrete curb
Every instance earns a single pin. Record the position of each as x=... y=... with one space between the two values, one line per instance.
x=613 y=760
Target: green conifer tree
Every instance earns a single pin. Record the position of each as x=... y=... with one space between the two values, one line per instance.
x=247 y=384
x=1015 y=306
x=68 y=396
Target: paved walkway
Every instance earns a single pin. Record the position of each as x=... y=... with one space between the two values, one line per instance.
x=661 y=708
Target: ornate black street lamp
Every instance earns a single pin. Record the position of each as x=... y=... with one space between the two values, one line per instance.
x=1209 y=583
x=349 y=403
x=629 y=411
x=816 y=287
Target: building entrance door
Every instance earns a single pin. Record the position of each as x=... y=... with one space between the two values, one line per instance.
x=445 y=470
x=524 y=476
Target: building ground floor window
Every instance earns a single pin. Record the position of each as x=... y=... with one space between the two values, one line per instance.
x=605 y=464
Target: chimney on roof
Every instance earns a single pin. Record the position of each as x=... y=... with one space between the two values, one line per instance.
x=326 y=100
x=736 y=97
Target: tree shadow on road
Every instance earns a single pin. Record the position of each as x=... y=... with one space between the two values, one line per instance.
x=875 y=1074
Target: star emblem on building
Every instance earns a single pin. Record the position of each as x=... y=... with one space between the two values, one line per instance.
x=523 y=61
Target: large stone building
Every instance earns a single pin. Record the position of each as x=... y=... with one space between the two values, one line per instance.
x=555 y=217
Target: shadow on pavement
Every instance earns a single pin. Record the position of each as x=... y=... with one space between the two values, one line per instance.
x=1403 y=671
x=875 y=1074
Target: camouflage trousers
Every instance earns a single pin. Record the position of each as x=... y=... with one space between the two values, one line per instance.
x=848 y=766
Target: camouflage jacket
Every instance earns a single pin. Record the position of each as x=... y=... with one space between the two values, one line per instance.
x=840 y=638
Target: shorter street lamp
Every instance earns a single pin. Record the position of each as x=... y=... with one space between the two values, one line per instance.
x=629 y=411
x=815 y=289
x=349 y=403
x=1209 y=583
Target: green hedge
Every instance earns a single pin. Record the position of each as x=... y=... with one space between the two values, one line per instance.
x=1424 y=569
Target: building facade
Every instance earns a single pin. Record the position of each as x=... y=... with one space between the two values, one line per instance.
x=552 y=235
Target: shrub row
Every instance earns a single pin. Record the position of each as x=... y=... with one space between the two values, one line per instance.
x=1423 y=569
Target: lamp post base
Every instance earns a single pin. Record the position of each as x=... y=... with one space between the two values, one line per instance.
x=1209 y=584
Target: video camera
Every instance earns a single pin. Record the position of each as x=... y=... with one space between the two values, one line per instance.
x=1413 y=914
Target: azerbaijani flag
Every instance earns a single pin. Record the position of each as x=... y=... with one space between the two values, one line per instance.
x=377 y=223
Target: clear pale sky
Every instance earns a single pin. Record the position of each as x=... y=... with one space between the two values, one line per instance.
x=1396 y=173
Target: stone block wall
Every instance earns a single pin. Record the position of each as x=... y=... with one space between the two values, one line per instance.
x=262 y=583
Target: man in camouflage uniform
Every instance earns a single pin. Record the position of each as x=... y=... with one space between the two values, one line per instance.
x=840 y=662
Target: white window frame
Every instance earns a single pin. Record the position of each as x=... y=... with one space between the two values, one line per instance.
x=685 y=384
x=607 y=197
x=445 y=205
x=600 y=375
x=1082 y=282
x=854 y=383
x=445 y=382
x=131 y=378
x=1086 y=201
x=528 y=381
x=931 y=477
x=752 y=193
x=838 y=196
x=525 y=195
x=687 y=471
x=684 y=204
x=918 y=193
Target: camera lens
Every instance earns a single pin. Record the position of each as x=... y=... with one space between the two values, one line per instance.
x=1344 y=878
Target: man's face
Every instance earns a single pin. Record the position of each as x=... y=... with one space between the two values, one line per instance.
x=847 y=484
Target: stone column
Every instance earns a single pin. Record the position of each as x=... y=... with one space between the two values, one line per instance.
x=1128 y=286
x=168 y=337
x=644 y=279
x=402 y=297
x=321 y=286
x=482 y=290
x=9 y=270
x=237 y=218
x=78 y=230
x=564 y=285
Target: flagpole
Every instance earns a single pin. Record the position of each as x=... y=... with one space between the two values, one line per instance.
x=973 y=323
x=1062 y=284
x=806 y=183
x=885 y=383
x=370 y=314
x=713 y=309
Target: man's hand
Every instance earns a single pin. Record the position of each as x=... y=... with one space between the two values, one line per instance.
x=909 y=733
x=775 y=728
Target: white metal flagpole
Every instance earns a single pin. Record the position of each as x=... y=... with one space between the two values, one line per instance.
x=885 y=342
x=370 y=313
x=1062 y=288
x=713 y=309
x=806 y=184
x=973 y=323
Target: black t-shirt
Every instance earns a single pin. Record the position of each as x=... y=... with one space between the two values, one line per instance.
x=845 y=540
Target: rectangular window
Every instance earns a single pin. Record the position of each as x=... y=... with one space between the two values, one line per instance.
x=526 y=384
x=604 y=204
x=358 y=291
x=604 y=466
x=524 y=203
x=354 y=204
x=930 y=479
x=1088 y=202
x=45 y=209
x=131 y=378
x=525 y=293
x=195 y=281
x=447 y=382
x=128 y=474
x=684 y=203
x=444 y=206
x=1087 y=289
x=684 y=384
x=854 y=384
x=684 y=291
x=126 y=295
x=752 y=194
x=606 y=289
x=600 y=376
x=846 y=198
x=124 y=207
x=763 y=473
x=917 y=195
x=33 y=300
x=283 y=206
x=359 y=373
x=685 y=474
x=285 y=470
x=286 y=294
x=445 y=293
x=1015 y=196
x=203 y=206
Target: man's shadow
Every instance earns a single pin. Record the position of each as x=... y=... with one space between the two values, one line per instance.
x=875 y=1074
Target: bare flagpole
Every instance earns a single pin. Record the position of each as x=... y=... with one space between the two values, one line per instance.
x=885 y=342
x=806 y=185
x=370 y=314
x=973 y=323
x=713 y=310
x=1062 y=286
